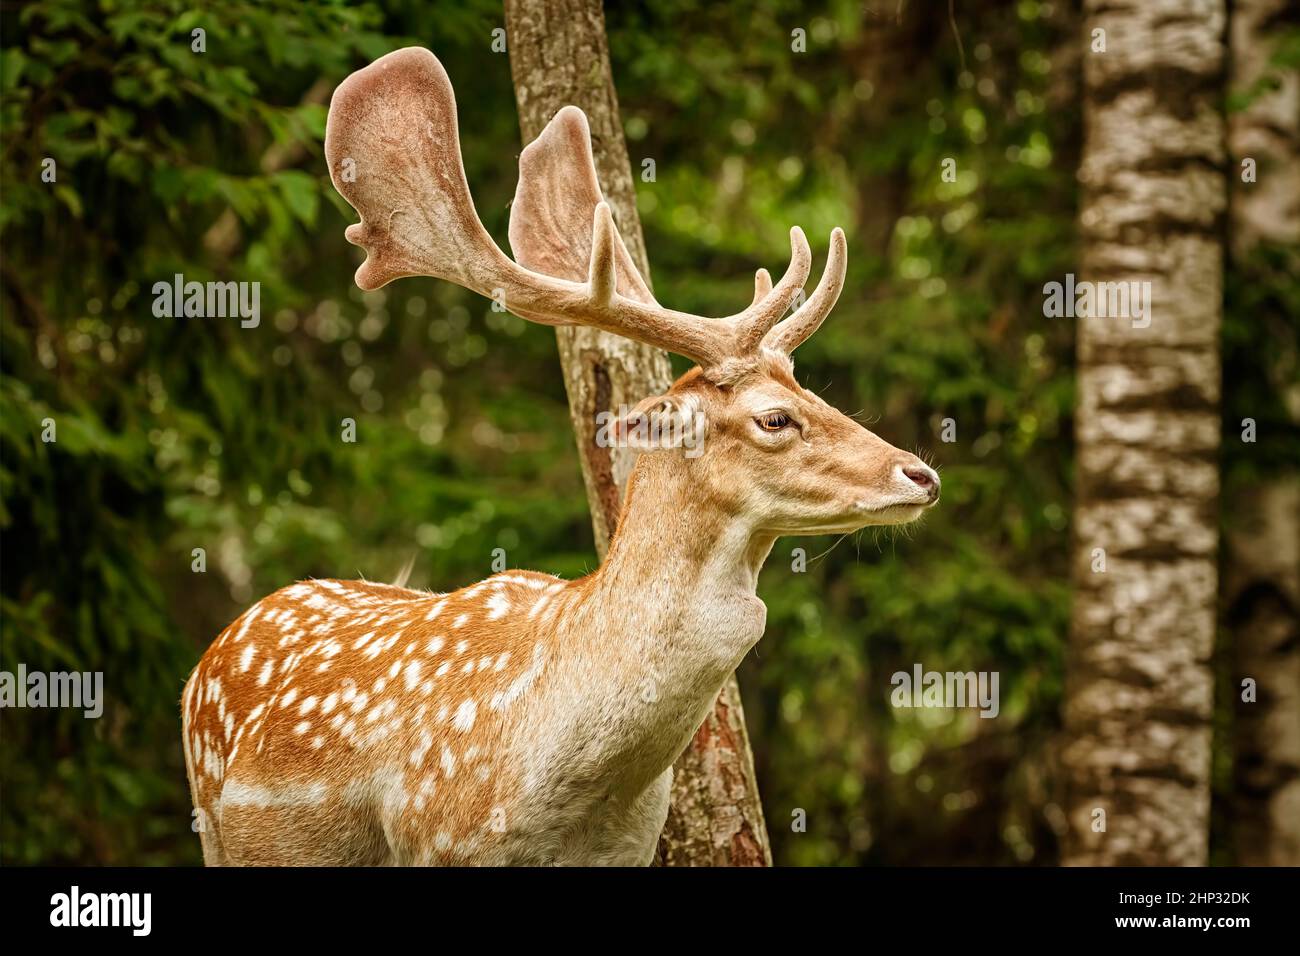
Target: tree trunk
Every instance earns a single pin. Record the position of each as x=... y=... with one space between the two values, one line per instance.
x=1262 y=564
x=1140 y=693
x=1261 y=596
x=559 y=56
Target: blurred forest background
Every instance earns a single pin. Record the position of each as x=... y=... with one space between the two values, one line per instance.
x=174 y=435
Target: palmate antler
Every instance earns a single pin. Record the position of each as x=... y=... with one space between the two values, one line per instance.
x=394 y=154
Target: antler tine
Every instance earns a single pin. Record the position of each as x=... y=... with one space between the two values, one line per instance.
x=754 y=322
x=602 y=276
x=762 y=285
x=794 y=331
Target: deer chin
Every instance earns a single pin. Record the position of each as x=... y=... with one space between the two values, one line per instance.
x=900 y=513
x=861 y=516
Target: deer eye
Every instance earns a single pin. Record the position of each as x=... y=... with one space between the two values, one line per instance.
x=773 y=421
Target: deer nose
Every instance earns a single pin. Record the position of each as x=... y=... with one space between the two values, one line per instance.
x=925 y=478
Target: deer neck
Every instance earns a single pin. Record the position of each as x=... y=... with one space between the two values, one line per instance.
x=665 y=621
x=678 y=556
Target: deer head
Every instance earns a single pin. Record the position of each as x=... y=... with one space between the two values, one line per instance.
x=776 y=454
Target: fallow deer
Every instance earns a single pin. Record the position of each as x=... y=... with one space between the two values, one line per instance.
x=528 y=719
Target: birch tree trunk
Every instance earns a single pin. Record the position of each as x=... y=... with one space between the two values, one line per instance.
x=1262 y=594
x=1262 y=564
x=559 y=56
x=1139 y=694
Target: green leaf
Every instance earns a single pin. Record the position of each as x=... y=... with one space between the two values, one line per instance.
x=301 y=193
x=11 y=68
x=68 y=196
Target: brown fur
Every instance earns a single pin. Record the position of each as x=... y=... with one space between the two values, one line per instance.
x=239 y=726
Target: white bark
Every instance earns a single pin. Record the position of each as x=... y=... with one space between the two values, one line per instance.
x=1139 y=696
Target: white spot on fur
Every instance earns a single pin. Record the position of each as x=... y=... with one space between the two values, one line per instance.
x=237 y=794
x=465 y=714
x=423 y=747
x=541 y=602
x=498 y=607
x=249 y=618
x=411 y=677
x=521 y=683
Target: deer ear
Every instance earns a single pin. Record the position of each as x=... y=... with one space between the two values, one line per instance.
x=551 y=216
x=663 y=422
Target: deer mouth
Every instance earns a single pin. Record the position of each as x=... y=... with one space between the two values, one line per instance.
x=900 y=512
